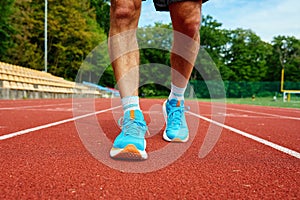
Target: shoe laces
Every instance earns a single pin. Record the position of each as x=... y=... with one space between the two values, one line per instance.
x=176 y=113
x=133 y=127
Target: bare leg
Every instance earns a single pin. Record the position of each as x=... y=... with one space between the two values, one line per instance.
x=186 y=19
x=124 y=17
x=124 y=53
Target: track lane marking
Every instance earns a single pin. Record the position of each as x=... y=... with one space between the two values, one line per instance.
x=36 y=106
x=268 y=114
x=260 y=113
x=22 y=132
x=40 y=106
x=50 y=109
x=247 y=135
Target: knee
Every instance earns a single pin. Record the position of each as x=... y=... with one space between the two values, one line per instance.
x=191 y=25
x=124 y=12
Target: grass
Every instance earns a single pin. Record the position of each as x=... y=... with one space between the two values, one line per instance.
x=264 y=101
x=260 y=101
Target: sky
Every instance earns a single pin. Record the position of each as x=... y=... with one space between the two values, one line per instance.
x=267 y=18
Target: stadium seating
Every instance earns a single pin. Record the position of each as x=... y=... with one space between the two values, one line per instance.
x=20 y=82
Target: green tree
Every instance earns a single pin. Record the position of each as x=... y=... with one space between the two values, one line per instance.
x=214 y=40
x=72 y=33
x=102 y=10
x=155 y=59
x=285 y=54
x=246 y=56
x=6 y=27
x=28 y=22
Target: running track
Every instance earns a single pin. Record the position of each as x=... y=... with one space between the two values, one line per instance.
x=42 y=155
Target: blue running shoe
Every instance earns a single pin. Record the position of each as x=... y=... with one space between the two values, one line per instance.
x=130 y=144
x=176 y=127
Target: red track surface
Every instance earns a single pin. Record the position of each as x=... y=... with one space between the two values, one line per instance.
x=53 y=163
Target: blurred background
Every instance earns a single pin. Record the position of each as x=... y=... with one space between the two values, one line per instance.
x=255 y=46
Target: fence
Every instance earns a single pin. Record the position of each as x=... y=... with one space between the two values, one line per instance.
x=240 y=89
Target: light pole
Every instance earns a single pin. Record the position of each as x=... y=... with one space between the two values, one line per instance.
x=46 y=36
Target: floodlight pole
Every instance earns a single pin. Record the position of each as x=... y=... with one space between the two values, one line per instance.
x=46 y=36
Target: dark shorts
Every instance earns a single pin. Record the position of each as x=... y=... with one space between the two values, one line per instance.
x=163 y=5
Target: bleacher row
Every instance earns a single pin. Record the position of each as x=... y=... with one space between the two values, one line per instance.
x=19 y=82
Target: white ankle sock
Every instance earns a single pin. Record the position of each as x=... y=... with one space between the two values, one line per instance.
x=130 y=103
x=176 y=92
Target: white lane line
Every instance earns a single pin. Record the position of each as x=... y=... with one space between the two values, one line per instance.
x=247 y=135
x=22 y=132
x=260 y=113
x=41 y=106
x=37 y=106
x=50 y=109
x=237 y=116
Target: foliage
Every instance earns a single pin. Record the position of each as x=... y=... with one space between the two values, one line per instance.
x=75 y=28
x=28 y=22
x=246 y=56
x=214 y=40
x=6 y=27
x=155 y=45
x=72 y=34
x=285 y=54
x=102 y=9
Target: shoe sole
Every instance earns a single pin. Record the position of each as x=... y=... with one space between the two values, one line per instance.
x=175 y=139
x=130 y=152
x=165 y=136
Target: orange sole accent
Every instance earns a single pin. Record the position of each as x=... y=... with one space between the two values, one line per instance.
x=176 y=140
x=130 y=152
x=131 y=148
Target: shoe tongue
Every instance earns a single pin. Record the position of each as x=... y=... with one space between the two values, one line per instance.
x=175 y=103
